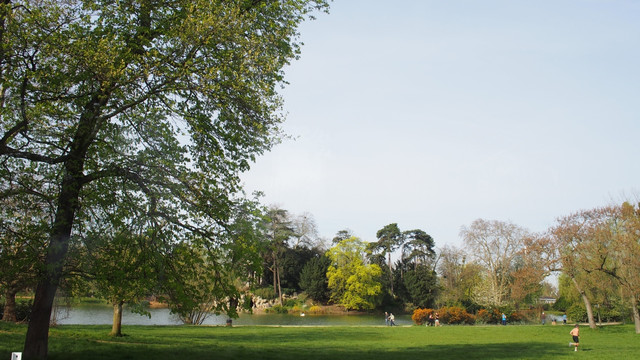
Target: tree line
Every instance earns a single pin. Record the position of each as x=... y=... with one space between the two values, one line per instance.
x=501 y=266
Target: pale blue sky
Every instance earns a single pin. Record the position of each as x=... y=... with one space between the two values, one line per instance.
x=433 y=113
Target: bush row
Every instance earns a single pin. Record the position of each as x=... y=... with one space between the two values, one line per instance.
x=458 y=315
x=446 y=315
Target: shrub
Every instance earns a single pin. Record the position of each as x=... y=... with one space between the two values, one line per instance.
x=315 y=309
x=577 y=313
x=455 y=315
x=277 y=309
x=266 y=293
x=484 y=316
x=420 y=316
x=562 y=304
x=516 y=317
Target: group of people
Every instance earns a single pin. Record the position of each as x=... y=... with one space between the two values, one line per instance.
x=433 y=320
x=389 y=319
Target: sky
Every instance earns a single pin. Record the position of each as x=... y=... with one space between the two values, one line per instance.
x=434 y=113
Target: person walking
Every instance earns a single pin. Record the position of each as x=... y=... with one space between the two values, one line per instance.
x=504 y=319
x=575 y=333
x=564 y=319
x=392 y=319
x=543 y=317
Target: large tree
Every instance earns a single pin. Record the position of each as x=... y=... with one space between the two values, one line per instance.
x=390 y=238
x=584 y=249
x=168 y=99
x=458 y=278
x=418 y=247
x=278 y=232
x=313 y=278
x=494 y=245
x=122 y=269
x=627 y=266
x=353 y=283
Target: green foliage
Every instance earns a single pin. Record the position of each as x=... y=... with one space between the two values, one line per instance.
x=421 y=286
x=292 y=263
x=313 y=278
x=121 y=269
x=266 y=293
x=577 y=313
x=130 y=108
x=277 y=309
x=389 y=239
x=23 y=310
x=419 y=246
x=353 y=284
x=561 y=304
x=196 y=286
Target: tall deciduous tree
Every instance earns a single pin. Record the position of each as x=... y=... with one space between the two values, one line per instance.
x=530 y=267
x=172 y=98
x=583 y=250
x=353 y=283
x=305 y=231
x=122 y=269
x=494 y=245
x=278 y=231
x=627 y=266
x=458 y=277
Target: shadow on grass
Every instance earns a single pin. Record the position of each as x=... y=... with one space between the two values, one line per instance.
x=492 y=351
x=307 y=344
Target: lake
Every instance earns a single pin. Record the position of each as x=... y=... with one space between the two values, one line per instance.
x=103 y=315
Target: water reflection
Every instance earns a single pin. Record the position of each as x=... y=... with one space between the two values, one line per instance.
x=101 y=315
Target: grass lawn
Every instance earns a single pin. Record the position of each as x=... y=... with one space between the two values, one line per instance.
x=255 y=342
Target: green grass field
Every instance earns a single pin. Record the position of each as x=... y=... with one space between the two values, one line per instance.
x=253 y=342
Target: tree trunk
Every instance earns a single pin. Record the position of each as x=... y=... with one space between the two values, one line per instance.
x=10 y=305
x=587 y=304
x=116 y=327
x=275 y=275
x=279 y=289
x=390 y=273
x=636 y=314
x=37 y=339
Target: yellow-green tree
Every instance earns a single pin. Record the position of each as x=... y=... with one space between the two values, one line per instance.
x=353 y=283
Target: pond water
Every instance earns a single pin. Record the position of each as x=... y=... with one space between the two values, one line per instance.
x=103 y=315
